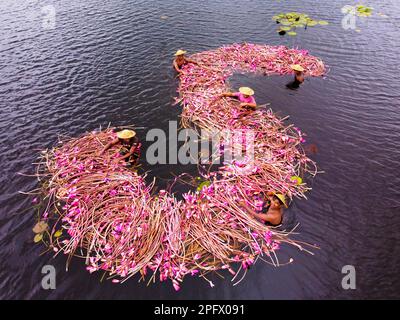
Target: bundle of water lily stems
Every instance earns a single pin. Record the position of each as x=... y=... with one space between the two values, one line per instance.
x=119 y=224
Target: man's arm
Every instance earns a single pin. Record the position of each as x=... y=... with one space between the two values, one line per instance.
x=228 y=94
x=261 y=216
x=131 y=152
x=177 y=67
x=109 y=145
x=126 y=156
x=249 y=104
x=251 y=212
x=191 y=61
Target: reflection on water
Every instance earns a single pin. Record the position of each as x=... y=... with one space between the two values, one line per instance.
x=110 y=61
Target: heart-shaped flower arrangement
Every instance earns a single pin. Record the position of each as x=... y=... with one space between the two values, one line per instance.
x=113 y=219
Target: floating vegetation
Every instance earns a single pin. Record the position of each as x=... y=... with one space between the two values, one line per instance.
x=358 y=10
x=292 y=20
x=298 y=179
x=122 y=226
x=363 y=11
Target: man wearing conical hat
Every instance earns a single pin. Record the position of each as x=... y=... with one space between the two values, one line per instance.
x=298 y=76
x=129 y=146
x=180 y=60
x=273 y=209
x=245 y=95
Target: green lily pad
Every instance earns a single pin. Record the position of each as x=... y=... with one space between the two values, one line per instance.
x=38 y=237
x=298 y=179
x=58 y=233
x=285 y=28
x=323 y=23
x=292 y=33
x=202 y=185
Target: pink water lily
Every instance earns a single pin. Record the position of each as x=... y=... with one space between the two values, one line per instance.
x=194 y=272
x=176 y=285
x=197 y=256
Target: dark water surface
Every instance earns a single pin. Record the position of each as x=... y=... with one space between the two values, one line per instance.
x=110 y=61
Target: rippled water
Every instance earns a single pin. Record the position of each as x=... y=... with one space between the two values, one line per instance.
x=110 y=61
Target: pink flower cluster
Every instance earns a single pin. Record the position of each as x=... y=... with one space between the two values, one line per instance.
x=112 y=216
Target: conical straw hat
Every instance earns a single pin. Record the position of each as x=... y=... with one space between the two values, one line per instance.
x=297 y=67
x=246 y=90
x=180 y=52
x=126 y=134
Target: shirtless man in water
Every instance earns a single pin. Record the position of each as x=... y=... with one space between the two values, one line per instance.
x=181 y=60
x=298 y=77
x=129 y=146
x=274 y=215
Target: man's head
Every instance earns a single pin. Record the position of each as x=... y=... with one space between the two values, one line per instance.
x=278 y=200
